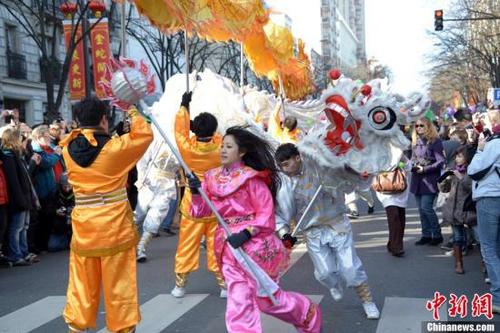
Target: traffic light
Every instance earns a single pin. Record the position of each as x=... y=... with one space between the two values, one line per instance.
x=438 y=20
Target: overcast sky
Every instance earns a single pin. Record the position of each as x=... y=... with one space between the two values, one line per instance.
x=396 y=34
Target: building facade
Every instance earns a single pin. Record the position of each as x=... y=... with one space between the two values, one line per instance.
x=333 y=32
x=22 y=86
x=343 y=33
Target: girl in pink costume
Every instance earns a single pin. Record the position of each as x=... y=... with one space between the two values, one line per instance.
x=243 y=191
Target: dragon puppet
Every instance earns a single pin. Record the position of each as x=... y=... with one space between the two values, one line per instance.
x=353 y=126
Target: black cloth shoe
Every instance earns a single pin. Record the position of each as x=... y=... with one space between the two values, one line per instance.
x=436 y=241
x=371 y=210
x=423 y=240
x=353 y=214
x=169 y=231
x=21 y=262
x=4 y=262
x=399 y=254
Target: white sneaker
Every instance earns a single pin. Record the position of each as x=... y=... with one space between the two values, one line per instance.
x=487 y=280
x=337 y=293
x=449 y=253
x=223 y=293
x=178 y=292
x=141 y=256
x=371 y=310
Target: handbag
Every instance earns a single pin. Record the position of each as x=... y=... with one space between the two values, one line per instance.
x=390 y=182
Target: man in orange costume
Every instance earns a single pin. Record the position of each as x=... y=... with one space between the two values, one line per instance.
x=286 y=131
x=201 y=153
x=103 y=246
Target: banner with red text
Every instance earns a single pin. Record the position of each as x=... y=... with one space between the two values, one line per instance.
x=76 y=78
x=99 y=39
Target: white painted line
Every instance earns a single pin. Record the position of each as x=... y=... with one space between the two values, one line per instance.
x=161 y=311
x=401 y=314
x=273 y=325
x=34 y=315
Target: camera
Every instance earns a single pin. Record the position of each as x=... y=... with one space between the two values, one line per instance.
x=61 y=211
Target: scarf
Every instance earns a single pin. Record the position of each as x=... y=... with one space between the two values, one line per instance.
x=461 y=168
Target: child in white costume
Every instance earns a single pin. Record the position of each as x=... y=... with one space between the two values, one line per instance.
x=156 y=187
x=327 y=229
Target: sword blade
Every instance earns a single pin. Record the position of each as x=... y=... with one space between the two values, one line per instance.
x=308 y=208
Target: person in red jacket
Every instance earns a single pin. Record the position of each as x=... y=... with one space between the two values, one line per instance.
x=4 y=200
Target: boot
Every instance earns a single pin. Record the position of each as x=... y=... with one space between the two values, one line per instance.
x=459 y=265
x=180 y=285
x=141 y=247
x=365 y=295
x=222 y=284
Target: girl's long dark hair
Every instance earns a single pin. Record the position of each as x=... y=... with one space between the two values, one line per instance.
x=259 y=155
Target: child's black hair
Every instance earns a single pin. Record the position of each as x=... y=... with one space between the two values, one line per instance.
x=286 y=151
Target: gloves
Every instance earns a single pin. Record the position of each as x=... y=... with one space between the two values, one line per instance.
x=238 y=239
x=194 y=183
x=186 y=99
x=288 y=240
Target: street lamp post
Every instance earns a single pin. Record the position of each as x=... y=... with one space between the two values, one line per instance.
x=86 y=56
x=123 y=31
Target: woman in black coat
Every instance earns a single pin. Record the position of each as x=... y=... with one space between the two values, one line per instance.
x=20 y=196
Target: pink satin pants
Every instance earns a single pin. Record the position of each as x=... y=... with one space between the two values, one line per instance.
x=244 y=306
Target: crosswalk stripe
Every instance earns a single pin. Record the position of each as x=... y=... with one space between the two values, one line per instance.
x=161 y=311
x=33 y=315
x=271 y=324
x=404 y=314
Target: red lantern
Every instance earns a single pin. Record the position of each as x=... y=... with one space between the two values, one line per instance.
x=97 y=7
x=366 y=90
x=68 y=9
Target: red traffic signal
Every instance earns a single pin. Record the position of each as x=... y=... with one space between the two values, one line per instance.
x=438 y=20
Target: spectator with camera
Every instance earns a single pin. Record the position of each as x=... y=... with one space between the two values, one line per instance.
x=427 y=162
x=60 y=234
x=485 y=172
x=458 y=184
x=47 y=178
x=55 y=132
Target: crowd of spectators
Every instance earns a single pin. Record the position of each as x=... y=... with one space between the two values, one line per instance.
x=454 y=168
x=36 y=199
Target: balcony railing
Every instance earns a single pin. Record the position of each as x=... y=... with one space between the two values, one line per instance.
x=16 y=64
x=53 y=65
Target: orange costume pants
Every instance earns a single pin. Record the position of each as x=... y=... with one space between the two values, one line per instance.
x=187 y=256
x=117 y=275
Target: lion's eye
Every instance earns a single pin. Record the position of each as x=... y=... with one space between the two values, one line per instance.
x=381 y=118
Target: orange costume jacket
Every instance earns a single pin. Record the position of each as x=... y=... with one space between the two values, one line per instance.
x=199 y=156
x=102 y=219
